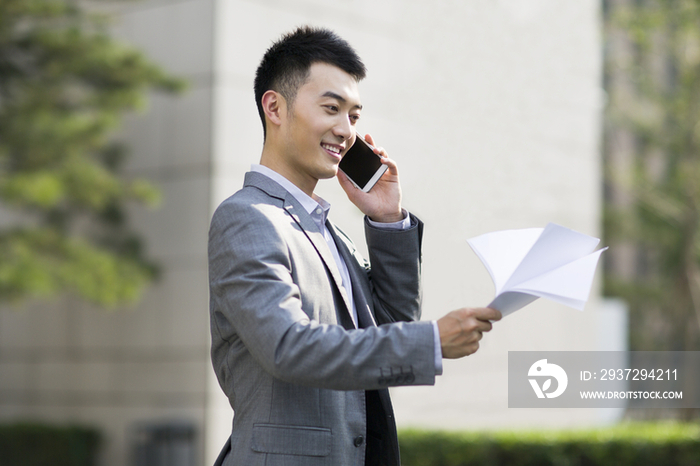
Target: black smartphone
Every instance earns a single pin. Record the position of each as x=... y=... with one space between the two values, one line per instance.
x=362 y=165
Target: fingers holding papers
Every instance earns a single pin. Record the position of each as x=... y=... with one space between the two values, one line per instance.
x=461 y=330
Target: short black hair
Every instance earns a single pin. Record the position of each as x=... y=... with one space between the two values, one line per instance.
x=285 y=65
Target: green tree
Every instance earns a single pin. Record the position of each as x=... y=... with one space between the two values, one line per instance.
x=64 y=87
x=652 y=152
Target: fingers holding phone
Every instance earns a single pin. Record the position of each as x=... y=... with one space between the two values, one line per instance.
x=371 y=181
x=393 y=170
x=377 y=150
x=362 y=164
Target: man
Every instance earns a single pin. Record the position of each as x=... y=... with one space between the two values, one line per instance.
x=306 y=337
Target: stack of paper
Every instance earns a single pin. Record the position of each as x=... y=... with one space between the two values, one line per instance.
x=552 y=262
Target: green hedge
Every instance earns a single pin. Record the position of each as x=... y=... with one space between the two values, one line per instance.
x=43 y=445
x=625 y=445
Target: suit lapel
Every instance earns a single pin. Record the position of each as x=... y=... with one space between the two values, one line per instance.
x=361 y=291
x=307 y=225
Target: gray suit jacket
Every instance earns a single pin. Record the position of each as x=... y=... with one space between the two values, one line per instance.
x=284 y=347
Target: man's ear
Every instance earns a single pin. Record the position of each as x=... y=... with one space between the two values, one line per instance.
x=274 y=106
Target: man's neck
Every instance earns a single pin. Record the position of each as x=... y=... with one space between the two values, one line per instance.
x=274 y=162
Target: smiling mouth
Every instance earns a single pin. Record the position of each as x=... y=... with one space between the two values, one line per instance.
x=334 y=150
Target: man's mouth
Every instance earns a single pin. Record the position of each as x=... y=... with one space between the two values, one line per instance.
x=334 y=150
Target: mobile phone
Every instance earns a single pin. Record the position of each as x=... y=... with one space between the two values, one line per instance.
x=362 y=165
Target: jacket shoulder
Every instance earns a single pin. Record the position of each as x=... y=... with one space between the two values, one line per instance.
x=249 y=200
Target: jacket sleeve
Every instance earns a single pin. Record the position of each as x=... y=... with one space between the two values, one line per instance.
x=395 y=275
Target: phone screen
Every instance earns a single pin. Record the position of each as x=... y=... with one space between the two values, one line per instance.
x=362 y=165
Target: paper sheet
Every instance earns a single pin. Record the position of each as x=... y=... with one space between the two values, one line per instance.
x=552 y=262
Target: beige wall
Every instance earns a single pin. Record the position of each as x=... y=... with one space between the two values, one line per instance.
x=492 y=109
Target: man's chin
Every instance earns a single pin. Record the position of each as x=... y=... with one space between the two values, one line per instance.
x=330 y=173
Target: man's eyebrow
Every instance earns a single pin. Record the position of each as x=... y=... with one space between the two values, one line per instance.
x=340 y=98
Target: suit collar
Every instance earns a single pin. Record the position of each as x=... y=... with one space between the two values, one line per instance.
x=266 y=184
x=310 y=204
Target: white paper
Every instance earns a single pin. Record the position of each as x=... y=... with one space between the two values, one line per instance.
x=552 y=262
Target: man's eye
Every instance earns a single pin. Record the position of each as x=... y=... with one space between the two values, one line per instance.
x=332 y=108
x=354 y=118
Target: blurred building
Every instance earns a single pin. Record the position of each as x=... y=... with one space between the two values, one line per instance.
x=491 y=108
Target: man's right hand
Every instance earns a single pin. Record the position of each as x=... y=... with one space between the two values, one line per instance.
x=461 y=330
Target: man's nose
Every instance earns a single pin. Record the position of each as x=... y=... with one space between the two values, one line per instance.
x=343 y=129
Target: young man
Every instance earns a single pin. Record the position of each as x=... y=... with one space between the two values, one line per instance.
x=306 y=337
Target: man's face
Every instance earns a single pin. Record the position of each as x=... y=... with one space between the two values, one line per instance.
x=320 y=127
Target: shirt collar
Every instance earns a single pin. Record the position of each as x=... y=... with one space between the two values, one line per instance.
x=315 y=206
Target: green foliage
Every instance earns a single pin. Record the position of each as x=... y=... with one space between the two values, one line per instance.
x=64 y=87
x=653 y=83
x=40 y=445
x=627 y=444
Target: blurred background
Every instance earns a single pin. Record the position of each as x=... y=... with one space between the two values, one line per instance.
x=123 y=124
